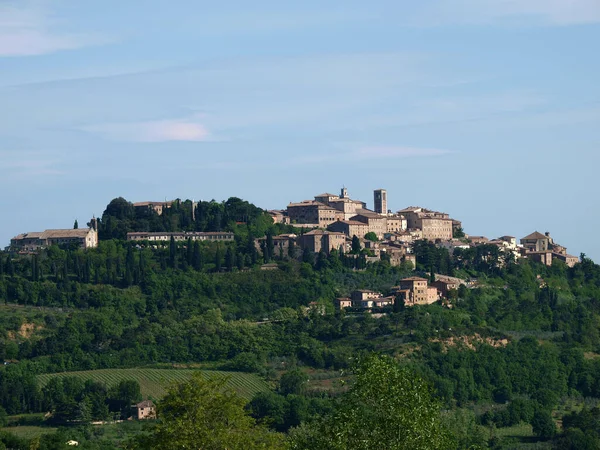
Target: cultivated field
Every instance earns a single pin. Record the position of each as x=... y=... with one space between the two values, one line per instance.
x=154 y=382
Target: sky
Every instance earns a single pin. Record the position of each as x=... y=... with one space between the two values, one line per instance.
x=486 y=109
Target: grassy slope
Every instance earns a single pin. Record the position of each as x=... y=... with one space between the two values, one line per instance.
x=154 y=382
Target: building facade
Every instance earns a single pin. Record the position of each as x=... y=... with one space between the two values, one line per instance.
x=32 y=242
x=434 y=225
x=319 y=240
x=313 y=212
x=181 y=236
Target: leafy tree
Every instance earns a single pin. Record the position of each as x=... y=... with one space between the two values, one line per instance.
x=293 y=382
x=543 y=425
x=387 y=407
x=75 y=225
x=202 y=413
x=370 y=236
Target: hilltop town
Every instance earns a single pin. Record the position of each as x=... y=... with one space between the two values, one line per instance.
x=339 y=224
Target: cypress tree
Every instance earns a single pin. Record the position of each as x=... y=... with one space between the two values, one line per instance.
x=197 y=257
x=172 y=253
x=270 y=245
x=129 y=266
x=190 y=252
x=229 y=259
x=218 y=259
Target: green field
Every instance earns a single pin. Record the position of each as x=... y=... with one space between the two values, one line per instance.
x=153 y=382
x=28 y=431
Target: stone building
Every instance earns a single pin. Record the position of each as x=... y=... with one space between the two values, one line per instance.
x=181 y=236
x=342 y=303
x=396 y=223
x=319 y=240
x=283 y=244
x=158 y=207
x=376 y=222
x=542 y=248
x=433 y=224
x=350 y=228
x=363 y=298
x=537 y=242
x=279 y=216
x=145 y=410
x=415 y=291
x=314 y=213
x=380 y=204
x=32 y=242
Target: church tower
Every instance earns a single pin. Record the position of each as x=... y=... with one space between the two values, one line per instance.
x=380 y=201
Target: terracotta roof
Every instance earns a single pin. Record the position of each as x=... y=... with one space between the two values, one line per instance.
x=311 y=203
x=353 y=222
x=536 y=235
x=368 y=213
x=69 y=233
x=326 y=194
x=154 y=203
x=145 y=404
x=414 y=279
x=411 y=209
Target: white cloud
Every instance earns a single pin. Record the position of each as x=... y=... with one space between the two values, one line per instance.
x=549 y=12
x=28 y=30
x=187 y=129
x=370 y=152
x=395 y=152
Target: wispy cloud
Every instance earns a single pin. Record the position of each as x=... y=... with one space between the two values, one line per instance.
x=186 y=129
x=395 y=152
x=548 y=12
x=25 y=165
x=370 y=152
x=28 y=29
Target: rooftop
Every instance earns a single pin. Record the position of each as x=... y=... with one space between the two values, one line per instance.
x=56 y=234
x=414 y=279
x=535 y=235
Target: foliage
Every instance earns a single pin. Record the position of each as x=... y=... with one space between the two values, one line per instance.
x=203 y=413
x=387 y=407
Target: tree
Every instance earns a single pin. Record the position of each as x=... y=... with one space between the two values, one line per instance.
x=203 y=413
x=387 y=407
x=370 y=236
x=458 y=233
x=229 y=259
x=197 y=257
x=292 y=382
x=172 y=253
x=543 y=425
x=75 y=225
x=355 y=245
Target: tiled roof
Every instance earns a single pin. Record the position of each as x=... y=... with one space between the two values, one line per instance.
x=536 y=235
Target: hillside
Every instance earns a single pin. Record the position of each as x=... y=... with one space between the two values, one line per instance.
x=154 y=382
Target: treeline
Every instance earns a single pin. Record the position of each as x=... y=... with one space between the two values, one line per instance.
x=121 y=217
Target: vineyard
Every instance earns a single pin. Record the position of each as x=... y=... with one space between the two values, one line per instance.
x=154 y=382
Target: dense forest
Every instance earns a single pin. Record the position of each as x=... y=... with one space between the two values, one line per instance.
x=519 y=345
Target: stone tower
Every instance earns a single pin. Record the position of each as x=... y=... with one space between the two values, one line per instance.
x=380 y=201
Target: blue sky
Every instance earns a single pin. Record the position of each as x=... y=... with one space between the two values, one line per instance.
x=486 y=109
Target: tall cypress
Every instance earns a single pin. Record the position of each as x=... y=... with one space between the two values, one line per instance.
x=229 y=259
x=218 y=259
x=189 y=251
x=197 y=262
x=172 y=253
